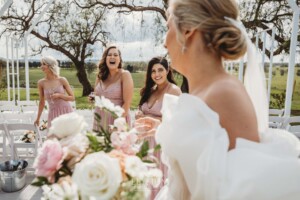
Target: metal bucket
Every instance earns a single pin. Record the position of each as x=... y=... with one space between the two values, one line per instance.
x=13 y=175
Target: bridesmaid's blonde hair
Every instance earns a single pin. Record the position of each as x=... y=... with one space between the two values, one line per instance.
x=52 y=64
x=219 y=35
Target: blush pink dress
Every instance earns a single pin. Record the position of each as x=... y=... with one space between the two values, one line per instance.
x=57 y=107
x=114 y=93
x=155 y=111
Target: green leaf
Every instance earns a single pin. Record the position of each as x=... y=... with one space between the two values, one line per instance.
x=94 y=143
x=157 y=148
x=143 y=150
x=40 y=181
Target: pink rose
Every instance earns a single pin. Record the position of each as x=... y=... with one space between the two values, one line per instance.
x=125 y=142
x=49 y=159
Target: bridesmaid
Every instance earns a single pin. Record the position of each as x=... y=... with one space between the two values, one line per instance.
x=115 y=84
x=159 y=81
x=55 y=90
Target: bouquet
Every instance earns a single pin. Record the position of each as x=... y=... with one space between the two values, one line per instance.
x=108 y=164
x=28 y=136
x=44 y=125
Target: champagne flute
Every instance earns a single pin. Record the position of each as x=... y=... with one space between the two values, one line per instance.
x=52 y=91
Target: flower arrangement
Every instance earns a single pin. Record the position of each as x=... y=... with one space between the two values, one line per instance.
x=28 y=136
x=108 y=164
x=44 y=125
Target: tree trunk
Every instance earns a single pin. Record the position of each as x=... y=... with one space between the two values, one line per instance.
x=82 y=77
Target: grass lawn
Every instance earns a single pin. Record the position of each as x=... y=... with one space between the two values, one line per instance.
x=278 y=86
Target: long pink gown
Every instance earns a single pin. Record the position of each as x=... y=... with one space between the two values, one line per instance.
x=114 y=93
x=57 y=107
x=155 y=111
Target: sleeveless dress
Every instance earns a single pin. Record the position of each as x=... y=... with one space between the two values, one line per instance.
x=155 y=111
x=195 y=149
x=114 y=93
x=57 y=107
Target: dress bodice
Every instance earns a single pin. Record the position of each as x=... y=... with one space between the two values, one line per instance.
x=55 y=102
x=113 y=92
x=154 y=111
x=195 y=148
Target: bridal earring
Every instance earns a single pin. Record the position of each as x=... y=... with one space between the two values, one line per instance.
x=183 y=49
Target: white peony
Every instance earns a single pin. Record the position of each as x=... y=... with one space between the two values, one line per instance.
x=67 y=124
x=104 y=103
x=135 y=167
x=98 y=175
x=120 y=123
x=61 y=191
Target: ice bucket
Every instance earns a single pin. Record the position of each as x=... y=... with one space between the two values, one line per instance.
x=13 y=175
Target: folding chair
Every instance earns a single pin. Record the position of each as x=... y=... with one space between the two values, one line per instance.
x=17 y=145
x=276 y=112
x=276 y=122
x=292 y=124
x=3 y=138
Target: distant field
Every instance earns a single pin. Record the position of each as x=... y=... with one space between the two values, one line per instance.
x=278 y=86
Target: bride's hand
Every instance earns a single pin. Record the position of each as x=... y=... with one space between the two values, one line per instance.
x=146 y=126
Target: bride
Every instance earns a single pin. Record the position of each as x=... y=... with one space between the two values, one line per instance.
x=215 y=140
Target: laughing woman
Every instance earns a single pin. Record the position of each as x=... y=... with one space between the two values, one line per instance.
x=115 y=84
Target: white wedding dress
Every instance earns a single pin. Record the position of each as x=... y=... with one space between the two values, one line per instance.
x=195 y=149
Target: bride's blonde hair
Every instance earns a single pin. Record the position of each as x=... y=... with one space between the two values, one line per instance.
x=207 y=16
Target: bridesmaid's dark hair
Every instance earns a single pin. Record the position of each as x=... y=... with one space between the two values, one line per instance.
x=102 y=66
x=185 y=85
x=146 y=91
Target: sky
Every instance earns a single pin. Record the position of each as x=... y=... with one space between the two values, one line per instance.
x=136 y=43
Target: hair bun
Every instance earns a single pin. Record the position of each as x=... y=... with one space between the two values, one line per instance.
x=229 y=42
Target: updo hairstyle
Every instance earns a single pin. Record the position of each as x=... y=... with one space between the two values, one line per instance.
x=219 y=35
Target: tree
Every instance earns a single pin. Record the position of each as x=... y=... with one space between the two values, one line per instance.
x=256 y=15
x=65 y=28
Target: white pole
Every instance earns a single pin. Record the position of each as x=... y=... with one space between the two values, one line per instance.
x=271 y=65
x=256 y=41
x=264 y=36
x=5 y=6
x=26 y=47
x=18 y=71
x=241 y=69
x=7 y=70
x=291 y=67
x=26 y=68
x=13 y=69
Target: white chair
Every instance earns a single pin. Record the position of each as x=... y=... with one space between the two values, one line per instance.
x=11 y=117
x=20 y=149
x=28 y=103
x=276 y=112
x=73 y=104
x=10 y=108
x=276 y=122
x=292 y=124
x=3 y=138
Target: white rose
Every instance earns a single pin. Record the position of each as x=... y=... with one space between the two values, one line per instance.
x=120 y=123
x=67 y=124
x=135 y=167
x=154 y=177
x=74 y=148
x=98 y=175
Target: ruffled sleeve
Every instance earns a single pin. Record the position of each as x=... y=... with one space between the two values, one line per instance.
x=189 y=134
